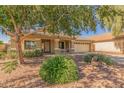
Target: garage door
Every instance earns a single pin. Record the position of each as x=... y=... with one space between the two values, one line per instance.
x=81 y=47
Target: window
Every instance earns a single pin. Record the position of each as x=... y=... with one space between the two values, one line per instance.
x=30 y=44
x=61 y=45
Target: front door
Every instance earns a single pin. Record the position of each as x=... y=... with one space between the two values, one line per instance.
x=47 y=46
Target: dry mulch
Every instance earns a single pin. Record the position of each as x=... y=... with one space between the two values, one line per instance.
x=91 y=75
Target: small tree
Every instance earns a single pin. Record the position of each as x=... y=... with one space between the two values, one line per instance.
x=14 y=20
x=70 y=20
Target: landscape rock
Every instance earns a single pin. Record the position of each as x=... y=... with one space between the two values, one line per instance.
x=94 y=75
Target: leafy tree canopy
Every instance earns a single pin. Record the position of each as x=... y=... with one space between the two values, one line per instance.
x=68 y=19
x=112 y=17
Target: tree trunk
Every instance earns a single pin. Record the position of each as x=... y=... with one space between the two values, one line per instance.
x=19 y=51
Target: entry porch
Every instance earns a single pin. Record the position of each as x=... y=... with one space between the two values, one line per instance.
x=49 y=44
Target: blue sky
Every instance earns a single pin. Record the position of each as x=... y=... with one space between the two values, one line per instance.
x=4 y=37
x=99 y=30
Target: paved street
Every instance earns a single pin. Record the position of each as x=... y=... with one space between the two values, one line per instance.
x=120 y=60
x=116 y=57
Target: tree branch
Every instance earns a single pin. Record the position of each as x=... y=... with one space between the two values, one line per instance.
x=12 y=18
x=6 y=31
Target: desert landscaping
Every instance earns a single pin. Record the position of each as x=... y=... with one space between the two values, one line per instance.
x=91 y=75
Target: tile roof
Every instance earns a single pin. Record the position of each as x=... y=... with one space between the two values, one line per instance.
x=102 y=37
x=82 y=38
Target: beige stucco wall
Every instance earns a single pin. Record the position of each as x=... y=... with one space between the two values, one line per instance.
x=106 y=46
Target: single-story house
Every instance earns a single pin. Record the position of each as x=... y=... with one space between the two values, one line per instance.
x=108 y=43
x=52 y=43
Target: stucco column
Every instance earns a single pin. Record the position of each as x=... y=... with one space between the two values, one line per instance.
x=56 y=46
x=72 y=46
x=23 y=45
x=38 y=44
x=92 y=47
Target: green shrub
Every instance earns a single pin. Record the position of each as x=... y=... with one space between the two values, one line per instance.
x=9 y=66
x=88 y=57
x=103 y=58
x=28 y=54
x=33 y=53
x=98 y=58
x=12 y=54
x=58 y=70
x=1 y=43
x=38 y=53
x=2 y=55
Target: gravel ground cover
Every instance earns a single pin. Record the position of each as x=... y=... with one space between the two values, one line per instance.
x=91 y=75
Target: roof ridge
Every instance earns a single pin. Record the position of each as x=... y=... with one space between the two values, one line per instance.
x=101 y=34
